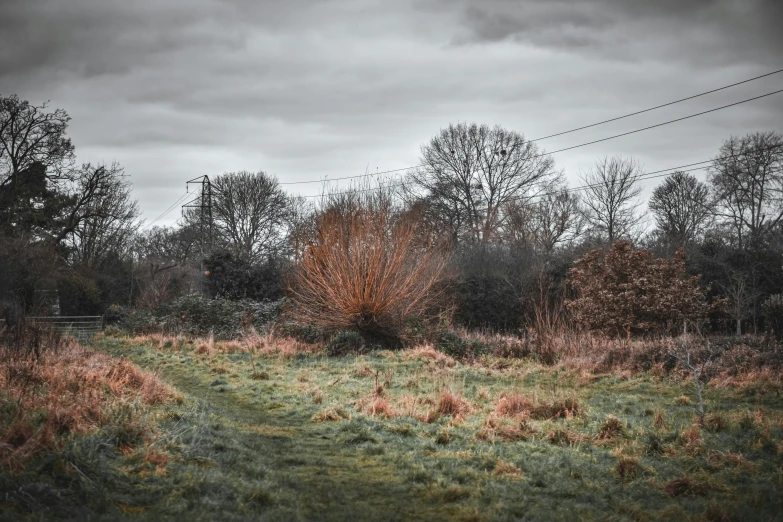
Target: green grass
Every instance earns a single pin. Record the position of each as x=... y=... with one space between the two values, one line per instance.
x=244 y=446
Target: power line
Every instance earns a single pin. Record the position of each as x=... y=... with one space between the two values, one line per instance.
x=165 y=212
x=666 y=122
x=649 y=175
x=658 y=106
x=565 y=132
x=552 y=135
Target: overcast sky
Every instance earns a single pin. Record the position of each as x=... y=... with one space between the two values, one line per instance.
x=313 y=89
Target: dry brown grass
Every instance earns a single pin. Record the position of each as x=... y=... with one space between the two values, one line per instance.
x=504 y=429
x=684 y=486
x=611 y=429
x=718 y=460
x=427 y=352
x=565 y=437
x=67 y=389
x=514 y=404
x=692 y=441
x=330 y=415
x=628 y=468
x=206 y=346
x=660 y=420
x=272 y=345
x=452 y=405
x=363 y=370
x=380 y=406
x=316 y=395
x=504 y=468
x=232 y=346
x=683 y=400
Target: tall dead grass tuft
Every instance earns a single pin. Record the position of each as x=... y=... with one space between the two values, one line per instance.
x=517 y=405
x=366 y=268
x=452 y=404
x=549 y=320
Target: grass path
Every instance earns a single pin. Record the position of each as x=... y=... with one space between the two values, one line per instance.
x=243 y=445
x=319 y=474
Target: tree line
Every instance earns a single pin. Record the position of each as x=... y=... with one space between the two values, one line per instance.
x=71 y=234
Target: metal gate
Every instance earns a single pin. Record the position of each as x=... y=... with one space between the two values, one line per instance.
x=81 y=328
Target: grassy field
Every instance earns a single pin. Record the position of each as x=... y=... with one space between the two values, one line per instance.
x=414 y=435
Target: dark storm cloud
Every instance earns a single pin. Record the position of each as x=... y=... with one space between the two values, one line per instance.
x=309 y=88
x=702 y=32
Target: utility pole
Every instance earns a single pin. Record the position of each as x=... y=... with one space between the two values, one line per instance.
x=203 y=202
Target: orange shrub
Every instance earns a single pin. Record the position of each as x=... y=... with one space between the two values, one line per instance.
x=366 y=268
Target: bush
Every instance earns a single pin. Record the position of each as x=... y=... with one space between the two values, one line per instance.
x=345 y=342
x=449 y=342
x=141 y=322
x=232 y=278
x=197 y=315
x=305 y=333
x=365 y=270
x=114 y=315
x=628 y=290
x=487 y=301
x=773 y=314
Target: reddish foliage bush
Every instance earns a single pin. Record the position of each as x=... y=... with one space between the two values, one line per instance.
x=627 y=290
x=365 y=269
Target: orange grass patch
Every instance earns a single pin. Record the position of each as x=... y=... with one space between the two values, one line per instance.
x=692 y=440
x=380 y=406
x=67 y=389
x=452 y=405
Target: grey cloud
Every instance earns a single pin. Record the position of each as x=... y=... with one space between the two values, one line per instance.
x=701 y=32
x=307 y=88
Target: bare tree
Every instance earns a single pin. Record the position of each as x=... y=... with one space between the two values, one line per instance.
x=168 y=245
x=557 y=218
x=35 y=155
x=740 y=296
x=697 y=355
x=88 y=196
x=471 y=173
x=109 y=222
x=747 y=180
x=301 y=225
x=681 y=207
x=610 y=197
x=250 y=212
x=29 y=134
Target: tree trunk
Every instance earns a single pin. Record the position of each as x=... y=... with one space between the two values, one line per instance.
x=739 y=327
